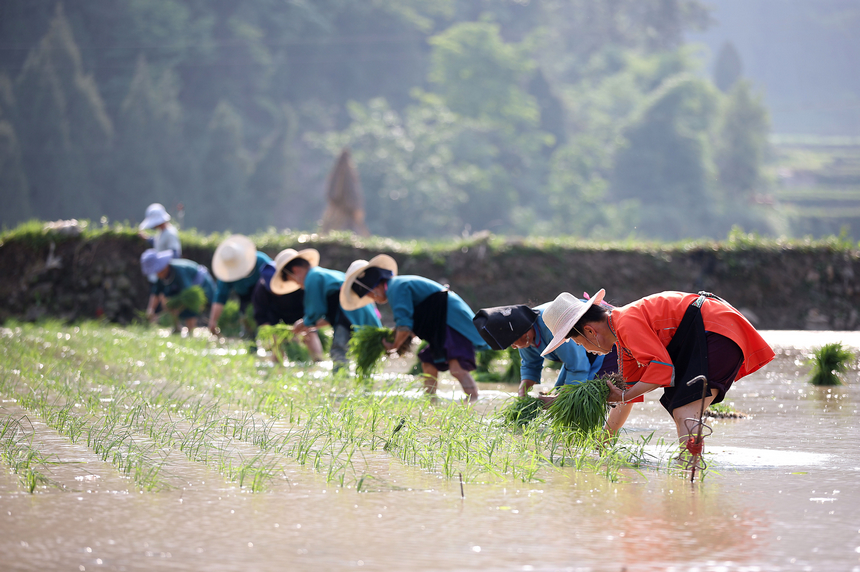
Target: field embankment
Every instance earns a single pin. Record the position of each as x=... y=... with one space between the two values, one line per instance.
x=74 y=274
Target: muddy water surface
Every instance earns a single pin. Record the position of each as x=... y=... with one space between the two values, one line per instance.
x=782 y=494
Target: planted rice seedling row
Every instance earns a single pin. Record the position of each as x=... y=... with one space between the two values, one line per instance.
x=187 y=395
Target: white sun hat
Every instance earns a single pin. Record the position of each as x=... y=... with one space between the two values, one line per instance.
x=280 y=286
x=234 y=258
x=349 y=300
x=156 y=214
x=563 y=314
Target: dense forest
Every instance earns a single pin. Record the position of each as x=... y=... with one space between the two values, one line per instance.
x=802 y=54
x=583 y=117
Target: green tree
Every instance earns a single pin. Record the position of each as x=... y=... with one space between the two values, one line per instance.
x=63 y=128
x=272 y=183
x=428 y=172
x=741 y=142
x=728 y=67
x=14 y=191
x=666 y=162
x=155 y=165
x=224 y=202
x=481 y=76
x=577 y=30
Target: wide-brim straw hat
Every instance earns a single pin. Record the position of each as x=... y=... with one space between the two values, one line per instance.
x=280 y=286
x=349 y=300
x=563 y=314
x=155 y=215
x=234 y=259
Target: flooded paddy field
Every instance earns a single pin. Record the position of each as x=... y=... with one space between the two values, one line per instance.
x=126 y=449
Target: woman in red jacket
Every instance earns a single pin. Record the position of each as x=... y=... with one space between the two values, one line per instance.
x=665 y=340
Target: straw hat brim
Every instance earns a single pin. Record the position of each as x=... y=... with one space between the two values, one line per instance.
x=560 y=334
x=243 y=267
x=280 y=286
x=349 y=300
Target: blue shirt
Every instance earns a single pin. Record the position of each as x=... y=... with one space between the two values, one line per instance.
x=183 y=275
x=575 y=364
x=320 y=283
x=406 y=292
x=266 y=274
x=243 y=286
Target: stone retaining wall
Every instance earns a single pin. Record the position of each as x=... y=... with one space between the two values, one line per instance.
x=789 y=288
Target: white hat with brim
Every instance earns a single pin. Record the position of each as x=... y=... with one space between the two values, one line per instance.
x=563 y=314
x=234 y=258
x=153 y=261
x=156 y=214
x=280 y=286
x=349 y=300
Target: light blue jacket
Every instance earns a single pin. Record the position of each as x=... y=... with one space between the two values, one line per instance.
x=406 y=292
x=319 y=284
x=575 y=364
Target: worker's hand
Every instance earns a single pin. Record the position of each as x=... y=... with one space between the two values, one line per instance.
x=615 y=394
x=299 y=328
x=525 y=386
x=547 y=399
x=389 y=346
x=213 y=329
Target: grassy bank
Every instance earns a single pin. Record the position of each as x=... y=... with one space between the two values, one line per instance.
x=37 y=234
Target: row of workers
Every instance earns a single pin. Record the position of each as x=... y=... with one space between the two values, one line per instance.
x=658 y=342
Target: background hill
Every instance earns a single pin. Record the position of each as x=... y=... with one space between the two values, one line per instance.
x=596 y=119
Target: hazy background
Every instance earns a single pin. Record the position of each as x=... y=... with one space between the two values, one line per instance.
x=604 y=119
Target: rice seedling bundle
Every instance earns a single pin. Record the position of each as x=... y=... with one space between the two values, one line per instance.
x=366 y=349
x=325 y=339
x=828 y=362
x=274 y=335
x=581 y=407
x=522 y=411
x=234 y=323
x=273 y=338
x=192 y=299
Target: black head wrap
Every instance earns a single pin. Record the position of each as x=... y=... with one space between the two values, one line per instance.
x=368 y=280
x=500 y=327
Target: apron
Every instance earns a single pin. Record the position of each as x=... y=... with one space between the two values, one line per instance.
x=689 y=352
x=430 y=323
x=334 y=315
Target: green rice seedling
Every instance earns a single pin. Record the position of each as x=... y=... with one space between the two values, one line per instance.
x=581 y=406
x=273 y=338
x=512 y=372
x=325 y=340
x=233 y=323
x=828 y=362
x=522 y=410
x=176 y=393
x=366 y=349
x=192 y=299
